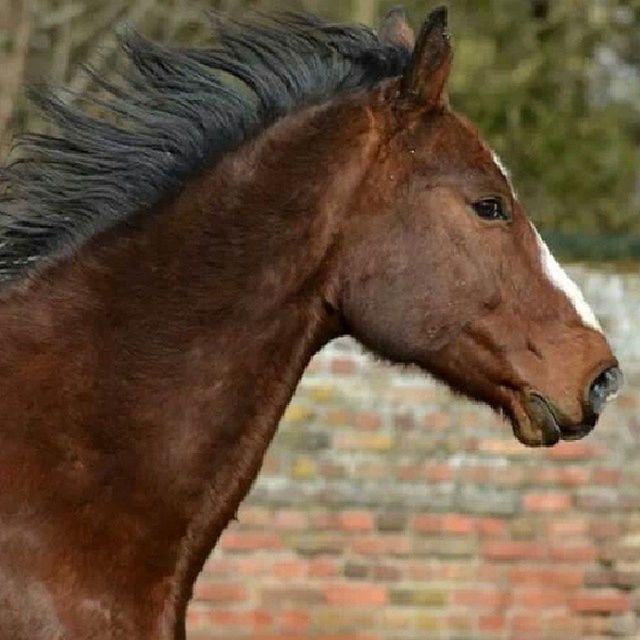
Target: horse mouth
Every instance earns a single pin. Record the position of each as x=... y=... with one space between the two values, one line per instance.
x=538 y=423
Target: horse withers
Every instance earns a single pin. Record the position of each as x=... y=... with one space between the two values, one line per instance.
x=174 y=256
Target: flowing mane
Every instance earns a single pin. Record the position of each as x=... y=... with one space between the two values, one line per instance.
x=171 y=113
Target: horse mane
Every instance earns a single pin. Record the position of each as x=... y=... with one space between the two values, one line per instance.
x=169 y=113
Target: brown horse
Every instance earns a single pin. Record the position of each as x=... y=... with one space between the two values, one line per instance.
x=171 y=262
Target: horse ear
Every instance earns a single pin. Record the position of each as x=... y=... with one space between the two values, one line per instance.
x=395 y=30
x=428 y=71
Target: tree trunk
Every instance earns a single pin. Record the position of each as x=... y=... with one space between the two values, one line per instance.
x=16 y=21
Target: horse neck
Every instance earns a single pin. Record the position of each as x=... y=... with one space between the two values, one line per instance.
x=191 y=329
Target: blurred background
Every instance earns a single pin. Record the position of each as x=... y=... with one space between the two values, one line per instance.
x=387 y=509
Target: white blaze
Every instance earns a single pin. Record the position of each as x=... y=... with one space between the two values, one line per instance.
x=556 y=274
x=560 y=280
x=504 y=171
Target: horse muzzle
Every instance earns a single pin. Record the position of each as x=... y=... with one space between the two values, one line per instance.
x=552 y=425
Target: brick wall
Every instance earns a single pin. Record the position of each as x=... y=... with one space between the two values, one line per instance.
x=389 y=510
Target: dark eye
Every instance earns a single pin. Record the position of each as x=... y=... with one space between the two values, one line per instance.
x=490 y=209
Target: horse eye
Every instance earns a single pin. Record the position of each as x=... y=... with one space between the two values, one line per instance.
x=490 y=209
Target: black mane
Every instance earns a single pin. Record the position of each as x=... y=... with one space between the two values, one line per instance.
x=171 y=113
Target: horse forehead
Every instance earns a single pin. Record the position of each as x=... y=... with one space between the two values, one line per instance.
x=473 y=148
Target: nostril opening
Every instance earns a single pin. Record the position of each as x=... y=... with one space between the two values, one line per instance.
x=605 y=386
x=601 y=383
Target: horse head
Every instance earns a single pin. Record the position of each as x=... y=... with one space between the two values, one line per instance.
x=444 y=269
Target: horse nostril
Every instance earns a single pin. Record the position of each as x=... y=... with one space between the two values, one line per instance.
x=604 y=387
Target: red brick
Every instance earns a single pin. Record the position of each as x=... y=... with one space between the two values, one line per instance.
x=542 y=597
x=325 y=521
x=367 y=420
x=233 y=618
x=493 y=623
x=324 y=568
x=381 y=545
x=525 y=623
x=226 y=618
x=554 y=476
x=439 y=473
x=250 y=541
x=604 y=601
x=438 y=570
x=427 y=523
x=252 y=566
x=578 y=552
x=601 y=528
x=492 y=527
x=514 y=477
x=568 y=527
x=295 y=594
x=409 y=472
x=573 y=476
x=289 y=569
x=437 y=420
x=480 y=598
x=560 y=576
x=453 y=523
x=219 y=592
x=513 y=550
x=607 y=477
x=278 y=636
x=217 y=566
x=506 y=447
x=412 y=394
x=363 y=441
x=547 y=501
x=294 y=620
x=330 y=470
x=346 y=636
x=197 y=617
x=476 y=474
x=339 y=417
x=252 y=516
x=343 y=366
x=470 y=417
x=577 y=450
x=290 y=520
x=491 y=572
x=258 y=618
x=356 y=594
x=356 y=521
x=223 y=617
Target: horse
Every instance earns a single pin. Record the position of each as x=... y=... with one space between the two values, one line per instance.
x=176 y=252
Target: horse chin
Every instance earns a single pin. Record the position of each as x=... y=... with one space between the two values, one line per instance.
x=540 y=427
x=536 y=422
